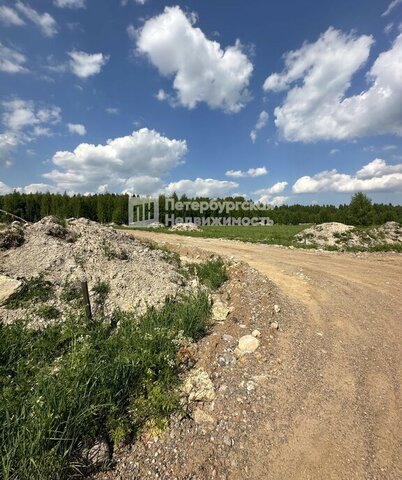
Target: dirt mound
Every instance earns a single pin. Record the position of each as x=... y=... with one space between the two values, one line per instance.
x=341 y=236
x=323 y=234
x=137 y=275
x=185 y=227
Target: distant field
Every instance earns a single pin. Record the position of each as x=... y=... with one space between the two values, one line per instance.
x=276 y=234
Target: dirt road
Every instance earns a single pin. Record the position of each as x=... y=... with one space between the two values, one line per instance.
x=339 y=398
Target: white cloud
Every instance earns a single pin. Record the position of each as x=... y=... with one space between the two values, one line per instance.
x=20 y=114
x=70 y=3
x=251 y=172
x=273 y=201
x=334 y=151
x=202 y=70
x=85 y=64
x=388 y=28
x=317 y=109
x=391 y=6
x=11 y=61
x=4 y=189
x=279 y=187
x=143 y=185
x=9 y=16
x=201 y=187
x=8 y=143
x=77 y=128
x=143 y=153
x=132 y=32
x=45 y=22
x=261 y=122
x=377 y=176
x=37 y=188
x=112 y=110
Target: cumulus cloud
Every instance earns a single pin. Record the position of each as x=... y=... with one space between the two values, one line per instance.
x=85 y=64
x=143 y=153
x=273 y=201
x=24 y=121
x=11 y=61
x=143 y=185
x=203 y=71
x=317 y=77
x=77 y=128
x=269 y=196
x=377 y=176
x=391 y=6
x=251 y=172
x=9 y=17
x=8 y=143
x=70 y=3
x=261 y=122
x=46 y=23
x=4 y=189
x=279 y=187
x=201 y=187
x=19 y=114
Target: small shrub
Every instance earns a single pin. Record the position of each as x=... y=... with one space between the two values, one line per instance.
x=71 y=292
x=48 y=312
x=34 y=290
x=212 y=273
x=101 y=291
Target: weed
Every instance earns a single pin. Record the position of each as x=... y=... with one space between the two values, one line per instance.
x=101 y=291
x=212 y=273
x=48 y=312
x=110 y=252
x=71 y=292
x=34 y=290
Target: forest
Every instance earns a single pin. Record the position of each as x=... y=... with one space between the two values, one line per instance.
x=113 y=208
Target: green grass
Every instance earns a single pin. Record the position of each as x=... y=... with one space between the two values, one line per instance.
x=212 y=273
x=276 y=234
x=72 y=382
x=33 y=290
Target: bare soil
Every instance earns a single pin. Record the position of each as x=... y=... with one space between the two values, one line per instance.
x=321 y=396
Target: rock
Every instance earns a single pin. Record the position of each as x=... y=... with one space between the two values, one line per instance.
x=198 y=387
x=201 y=417
x=16 y=224
x=250 y=386
x=226 y=359
x=228 y=441
x=8 y=288
x=219 y=311
x=277 y=308
x=256 y=333
x=98 y=455
x=248 y=344
x=274 y=326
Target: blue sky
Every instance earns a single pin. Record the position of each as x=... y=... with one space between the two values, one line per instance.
x=287 y=102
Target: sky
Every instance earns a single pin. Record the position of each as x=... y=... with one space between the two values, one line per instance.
x=298 y=101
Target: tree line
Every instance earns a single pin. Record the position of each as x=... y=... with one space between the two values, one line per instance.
x=113 y=208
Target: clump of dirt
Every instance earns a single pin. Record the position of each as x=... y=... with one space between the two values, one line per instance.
x=185 y=227
x=136 y=275
x=341 y=236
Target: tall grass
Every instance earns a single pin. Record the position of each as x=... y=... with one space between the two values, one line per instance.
x=76 y=381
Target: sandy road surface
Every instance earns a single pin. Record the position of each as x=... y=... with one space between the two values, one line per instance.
x=340 y=402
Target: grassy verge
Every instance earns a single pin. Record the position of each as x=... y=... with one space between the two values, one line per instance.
x=276 y=234
x=78 y=381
